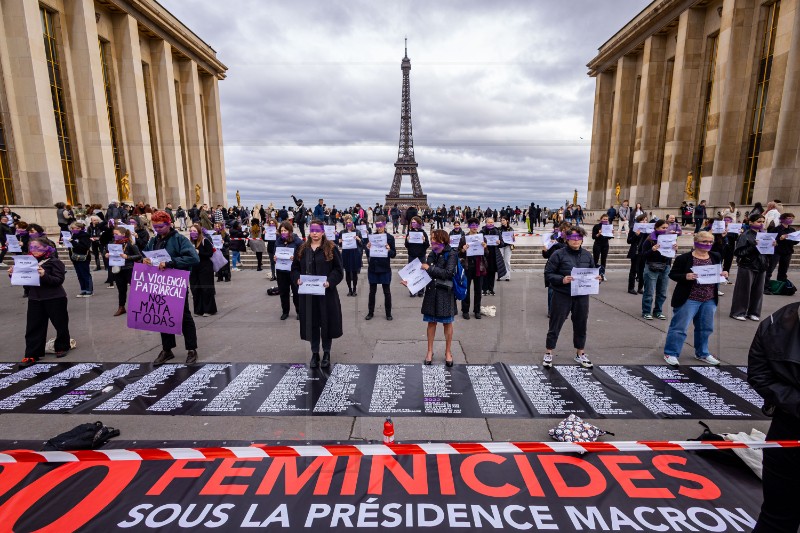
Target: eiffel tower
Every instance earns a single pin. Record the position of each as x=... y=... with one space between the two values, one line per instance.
x=406 y=165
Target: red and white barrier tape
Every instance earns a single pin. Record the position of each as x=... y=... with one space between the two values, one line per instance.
x=342 y=450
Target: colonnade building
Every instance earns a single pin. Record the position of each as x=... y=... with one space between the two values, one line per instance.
x=699 y=99
x=105 y=100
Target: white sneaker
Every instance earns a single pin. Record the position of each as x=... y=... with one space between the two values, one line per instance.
x=547 y=360
x=583 y=360
x=739 y=317
x=720 y=293
x=755 y=318
x=709 y=360
x=671 y=360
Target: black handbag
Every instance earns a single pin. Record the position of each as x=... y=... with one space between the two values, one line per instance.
x=657 y=267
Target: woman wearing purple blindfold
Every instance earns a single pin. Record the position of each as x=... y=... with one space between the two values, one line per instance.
x=748 y=292
x=419 y=247
x=379 y=271
x=693 y=301
x=783 y=250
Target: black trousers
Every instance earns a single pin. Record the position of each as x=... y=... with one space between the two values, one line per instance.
x=563 y=305
x=302 y=227
x=122 y=279
x=352 y=280
x=780 y=512
x=727 y=258
x=285 y=286
x=40 y=312
x=491 y=272
x=636 y=274
x=387 y=298
x=259 y=259
x=95 y=253
x=600 y=254
x=168 y=341
x=782 y=262
x=474 y=285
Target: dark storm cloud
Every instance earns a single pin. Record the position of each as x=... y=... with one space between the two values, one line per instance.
x=500 y=96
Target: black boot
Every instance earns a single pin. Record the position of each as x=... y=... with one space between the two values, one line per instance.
x=387 y=303
x=314 y=360
x=326 y=359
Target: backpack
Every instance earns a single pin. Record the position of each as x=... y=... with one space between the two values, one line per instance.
x=84 y=437
x=459 y=280
x=782 y=288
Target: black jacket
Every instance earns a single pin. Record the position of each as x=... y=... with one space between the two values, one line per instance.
x=599 y=240
x=329 y=317
x=81 y=244
x=747 y=255
x=237 y=240
x=560 y=265
x=382 y=265
x=439 y=298
x=650 y=255
x=416 y=249
x=683 y=265
x=785 y=246
x=51 y=284
x=635 y=241
x=773 y=366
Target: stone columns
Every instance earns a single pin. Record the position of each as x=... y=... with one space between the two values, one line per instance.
x=779 y=179
x=193 y=128
x=92 y=148
x=622 y=128
x=216 y=155
x=734 y=86
x=651 y=120
x=686 y=102
x=40 y=180
x=168 y=130
x=133 y=109
x=601 y=135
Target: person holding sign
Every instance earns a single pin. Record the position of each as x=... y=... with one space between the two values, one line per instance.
x=417 y=244
x=455 y=235
x=492 y=235
x=694 y=299
x=506 y=246
x=5 y=229
x=551 y=244
x=320 y=316
x=439 y=305
x=47 y=302
x=122 y=273
x=352 y=254
x=783 y=250
x=635 y=239
x=379 y=270
x=271 y=236
x=748 y=293
x=285 y=248
x=732 y=230
x=224 y=273
x=602 y=232
x=81 y=258
x=183 y=256
x=201 y=279
x=474 y=269
x=558 y=273
x=656 y=271
x=256 y=243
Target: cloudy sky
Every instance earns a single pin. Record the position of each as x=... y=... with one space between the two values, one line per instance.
x=500 y=100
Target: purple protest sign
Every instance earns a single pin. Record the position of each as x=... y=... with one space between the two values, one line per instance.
x=157 y=298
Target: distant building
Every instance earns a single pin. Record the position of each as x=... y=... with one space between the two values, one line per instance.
x=106 y=100
x=707 y=87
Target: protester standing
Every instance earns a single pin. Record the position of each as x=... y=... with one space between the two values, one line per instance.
x=286 y=238
x=506 y=247
x=351 y=258
x=783 y=250
x=699 y=216
x=224 y=273
x=201 y=279
x=492 y=258
x=271 y=222
x=416 y=250
x=693 y=302
x=475 y=270
x=379 y=272
x=600 y=246
x=256 y=243
x=558 y=273
x=47 y=302
x=636 y=273
x=238 y=245
x=748 y=293
x=183 y=256
x=320 y=316
x=81 y=260
x=656 y=273
x=122 y=274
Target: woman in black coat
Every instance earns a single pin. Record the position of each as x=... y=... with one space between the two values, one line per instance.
x=224 y=273
x=600 y=245
x=320 y=316
x=201 y=278
x=439 y=305
x=81 y=258
x=379 y=272
x=122 y=274
x=636 y=272
x=417 y=250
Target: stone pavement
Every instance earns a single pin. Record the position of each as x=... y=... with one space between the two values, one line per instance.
x=247 y=329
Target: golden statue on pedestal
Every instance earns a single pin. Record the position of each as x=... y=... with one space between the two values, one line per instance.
x=238 y=199
x=197 y=190
x=617 y=190
x=690 y=186
x=125 y=189
x=575 y=198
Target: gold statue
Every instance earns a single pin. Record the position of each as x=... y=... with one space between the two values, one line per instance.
x=617 y=190
x=125 y=188
x=575 y=198
x=690 y=186
x=197 y=190
x=238 y=198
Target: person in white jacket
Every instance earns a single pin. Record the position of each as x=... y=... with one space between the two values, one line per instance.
x=772 y=216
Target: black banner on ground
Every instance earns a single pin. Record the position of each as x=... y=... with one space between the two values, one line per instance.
x=486 y=492
x=468 y=391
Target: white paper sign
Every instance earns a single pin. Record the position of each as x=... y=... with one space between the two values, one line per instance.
x=708 y=274
x=66 y=238
x=585 y=281
x=128 y=227
x=115 y=255
x=547 y=242
x=455 y=241
x=492 y=240
x=26 y=271
x=378 y=244
x=416 y=237
x=417 y=278
x=362 y=229
x=270 y=233
x=665 y=243
x=158 y=256
x=644 y=227
x=764 y=243
x=349 y=241
x=13 y=244
x=607 y=230
x=718 y=226
x=794 y=236
x=217 y=241
x=735 y=227
x=283 y=258
x=330 y=232
x=508 y=237
x=312 y=285
x=475 y=243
